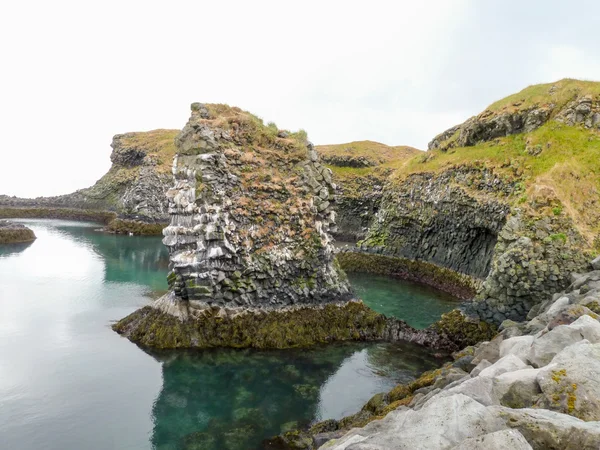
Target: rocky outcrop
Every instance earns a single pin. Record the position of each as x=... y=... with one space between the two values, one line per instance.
x=12 y=233
x=252 y=261
x=533 y=386
x=568 y=101
x=361 y=170
x=132 y=190
x=433 y=218
x=249 y=235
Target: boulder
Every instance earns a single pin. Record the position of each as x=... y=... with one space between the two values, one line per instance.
x=508 y=363
x=546 y=346
x=518 y=389
x=571 y=382
x=442 y=423
x=549 y=430
x=518 y=346
x=498 y=440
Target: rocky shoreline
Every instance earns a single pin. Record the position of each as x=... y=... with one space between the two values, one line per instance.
x=534 y=385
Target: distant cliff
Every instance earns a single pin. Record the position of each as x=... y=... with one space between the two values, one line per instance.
x=133 y=190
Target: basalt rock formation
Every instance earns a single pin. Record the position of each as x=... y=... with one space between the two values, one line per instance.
x=13 y=233
x=130 y=197
x=509 y=199
x=252 y=260
x=361 y=170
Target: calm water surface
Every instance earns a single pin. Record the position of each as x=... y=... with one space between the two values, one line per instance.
x=67 y=381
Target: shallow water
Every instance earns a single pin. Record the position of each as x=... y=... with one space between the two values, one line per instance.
x=417 y=304
x=67 y=381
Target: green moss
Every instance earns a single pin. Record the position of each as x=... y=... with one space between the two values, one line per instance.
x=594 y=306
x=462 y=331
x=122 y=226
x=300 y=327
x=15 y=236
x=460 y=285
x=562 y=237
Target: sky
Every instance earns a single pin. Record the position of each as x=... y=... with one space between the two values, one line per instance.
x=75 y=73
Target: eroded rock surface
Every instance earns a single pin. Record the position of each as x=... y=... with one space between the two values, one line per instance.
x=133 y=189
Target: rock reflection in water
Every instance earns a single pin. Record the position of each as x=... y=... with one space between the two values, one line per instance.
x=233 y=399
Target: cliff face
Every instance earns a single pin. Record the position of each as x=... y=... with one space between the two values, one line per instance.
x=360 y=169
x=133 y=188
x=511 y=198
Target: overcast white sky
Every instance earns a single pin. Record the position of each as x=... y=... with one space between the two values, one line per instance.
x=74 y=73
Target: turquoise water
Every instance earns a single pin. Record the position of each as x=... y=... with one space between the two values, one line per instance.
x=67 y=381
x=417 y=304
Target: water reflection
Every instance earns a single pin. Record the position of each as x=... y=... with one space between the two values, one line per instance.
x=233 y=399
x=68 y=381
x=12 y=249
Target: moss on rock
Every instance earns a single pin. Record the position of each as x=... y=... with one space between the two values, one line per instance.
x=463 y=330
x=297 y=327
x=447 y=280
x=137 y=227
x=14 y=233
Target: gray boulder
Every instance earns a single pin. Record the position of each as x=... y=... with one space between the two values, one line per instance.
x=571 y=382
x=498 y=440
x=508 y=363
x=546 y=346
x=441 y=424
x=549 y=430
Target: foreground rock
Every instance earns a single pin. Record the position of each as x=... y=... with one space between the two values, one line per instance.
x=12 y=233
x=129 y=198
x=535 y=385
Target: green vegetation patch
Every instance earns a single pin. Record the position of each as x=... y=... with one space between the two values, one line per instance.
x=463 y=331
x=274 y=329
x=460 y=285
x=123 y=226
x=14 y=236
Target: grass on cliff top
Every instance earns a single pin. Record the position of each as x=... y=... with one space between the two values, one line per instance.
x=159 y=143
x=554 y=162
x=373 y=151
x=252 y=130
x=558 y=94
